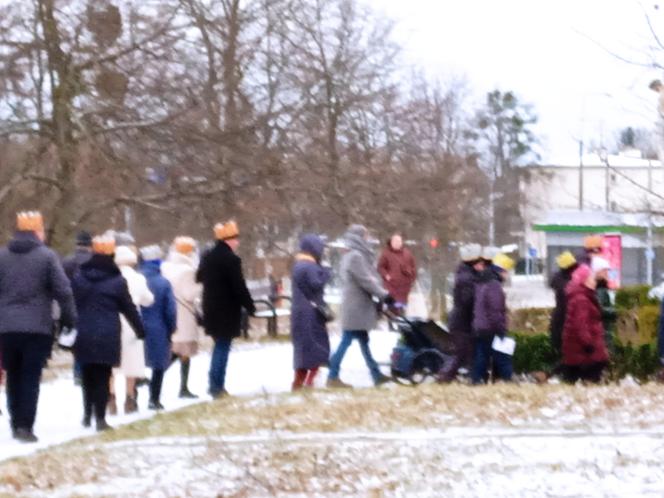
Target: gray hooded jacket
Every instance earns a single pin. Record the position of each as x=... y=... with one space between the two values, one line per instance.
x=360 y=282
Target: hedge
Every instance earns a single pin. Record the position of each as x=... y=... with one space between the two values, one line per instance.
x=534 y=353
x=634 y=296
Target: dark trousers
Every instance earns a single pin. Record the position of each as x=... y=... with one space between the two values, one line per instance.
x=95 y=383
x=483 y=355
x=218 y=364
x=463 y=356
x=155 y=385
x=588 y=373
x=23 y=358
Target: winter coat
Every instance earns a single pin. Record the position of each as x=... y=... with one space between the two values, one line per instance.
x=31 y=278
x=360 y=283
x=160 y=318
x=180 y=270
x=225 y=292
x=311 y=345
x=461 y=316
x=583 y=334
x=101 y=296
x=609 y=315
x=72 y=263
x=398 y=271
x=489 y=309
x=559 y=283
x=132 y=361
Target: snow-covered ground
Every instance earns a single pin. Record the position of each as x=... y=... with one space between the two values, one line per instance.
x=252 y=369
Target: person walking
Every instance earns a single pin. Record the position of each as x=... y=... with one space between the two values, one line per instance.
x=31 y=278
x=600 y=268
x=584 y=350
x=180 y=271
x=159 y=320
x=311 y=344
x=566 y=266
x=461 y=317
x=71 y=265
x=490 y=321
x=225 y=295
x=132 y=357
x=592 y=247
x=397 y=268
x=360 y=285
x=101 y=295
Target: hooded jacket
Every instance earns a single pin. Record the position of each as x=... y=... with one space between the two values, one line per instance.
x=180 y=270
x=583 y=334
x=31 y=278
x=102 y=294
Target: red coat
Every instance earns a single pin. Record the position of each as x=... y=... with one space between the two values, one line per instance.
x=583 y=333
x=398 y=271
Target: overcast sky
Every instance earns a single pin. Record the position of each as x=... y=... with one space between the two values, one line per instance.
x=548 y=51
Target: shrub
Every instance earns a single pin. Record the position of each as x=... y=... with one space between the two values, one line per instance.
x=633 y=296
x=648 y=321
x=530 y=320
x=533 y=353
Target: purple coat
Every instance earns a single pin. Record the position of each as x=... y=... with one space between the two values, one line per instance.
x=461 y=317
x=311 y=345
x=490 y=310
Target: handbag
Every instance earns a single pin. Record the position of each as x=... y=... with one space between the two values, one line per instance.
x=67 y=338
x=195 y=311
x=323 y=309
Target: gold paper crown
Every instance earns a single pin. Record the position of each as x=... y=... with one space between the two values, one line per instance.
x=30 y=221
x=225 y=231
x=503 y=261
x=593 y=242
x=103 y=245
x=184 y=245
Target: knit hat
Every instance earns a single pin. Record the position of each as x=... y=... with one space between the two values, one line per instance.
x=490 y=252
x=581 y=274
x=151 y=253
x=504 y=262
x=470 y=252
x=566 y=260
x=124 y=256
x=29 y=221
x=103 y=245
x=599 y=264
x=226 y=231
x=184 y=245
x=592 y=242
x=83 y=239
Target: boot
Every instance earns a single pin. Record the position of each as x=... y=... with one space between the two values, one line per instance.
x=155 y=405
x=87 y=420
x=382 y=379
x=25 y=435
x=338 y=384
x=131 y=405
x=112 y=407
x=184 y=380
x=102 y=425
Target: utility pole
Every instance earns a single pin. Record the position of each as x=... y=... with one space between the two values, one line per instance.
x=581 y=175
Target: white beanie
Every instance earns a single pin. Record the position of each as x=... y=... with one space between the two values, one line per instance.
x=470 y=252
x=125 y=256
x=599 y=264
x=490 y=252
x=151 y=253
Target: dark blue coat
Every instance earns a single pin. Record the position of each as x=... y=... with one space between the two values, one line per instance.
x=311 y=345
x=160 y=319
x=101 y=294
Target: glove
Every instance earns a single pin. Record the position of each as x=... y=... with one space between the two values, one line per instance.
x=389 y=300
x=501 y=335
x=588 y=349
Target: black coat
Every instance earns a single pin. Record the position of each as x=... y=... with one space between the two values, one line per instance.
x=461 y=317
x=559 y=283
x=101 y=294
x=225 y=292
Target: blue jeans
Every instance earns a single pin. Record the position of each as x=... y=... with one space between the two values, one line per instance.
x=218 y=364
x=362 y=337
x=502 y=363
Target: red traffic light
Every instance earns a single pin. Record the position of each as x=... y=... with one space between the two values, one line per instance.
x=433 y=243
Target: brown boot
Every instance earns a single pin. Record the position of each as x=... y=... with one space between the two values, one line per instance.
x=131 y=405
x=112 y=407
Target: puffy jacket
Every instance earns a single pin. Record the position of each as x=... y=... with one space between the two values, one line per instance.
x=461 y=317
x=583 y=334
x=159 y=319
x=398 y=271
x=489 y=309
x=31 y=278
x=102 y=294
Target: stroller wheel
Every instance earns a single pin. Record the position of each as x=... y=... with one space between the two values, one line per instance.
x=426 y=364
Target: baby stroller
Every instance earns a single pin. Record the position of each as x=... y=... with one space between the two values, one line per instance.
x=423 y=349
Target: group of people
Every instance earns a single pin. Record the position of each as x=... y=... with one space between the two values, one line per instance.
x=583 y=320
x=126 y=308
